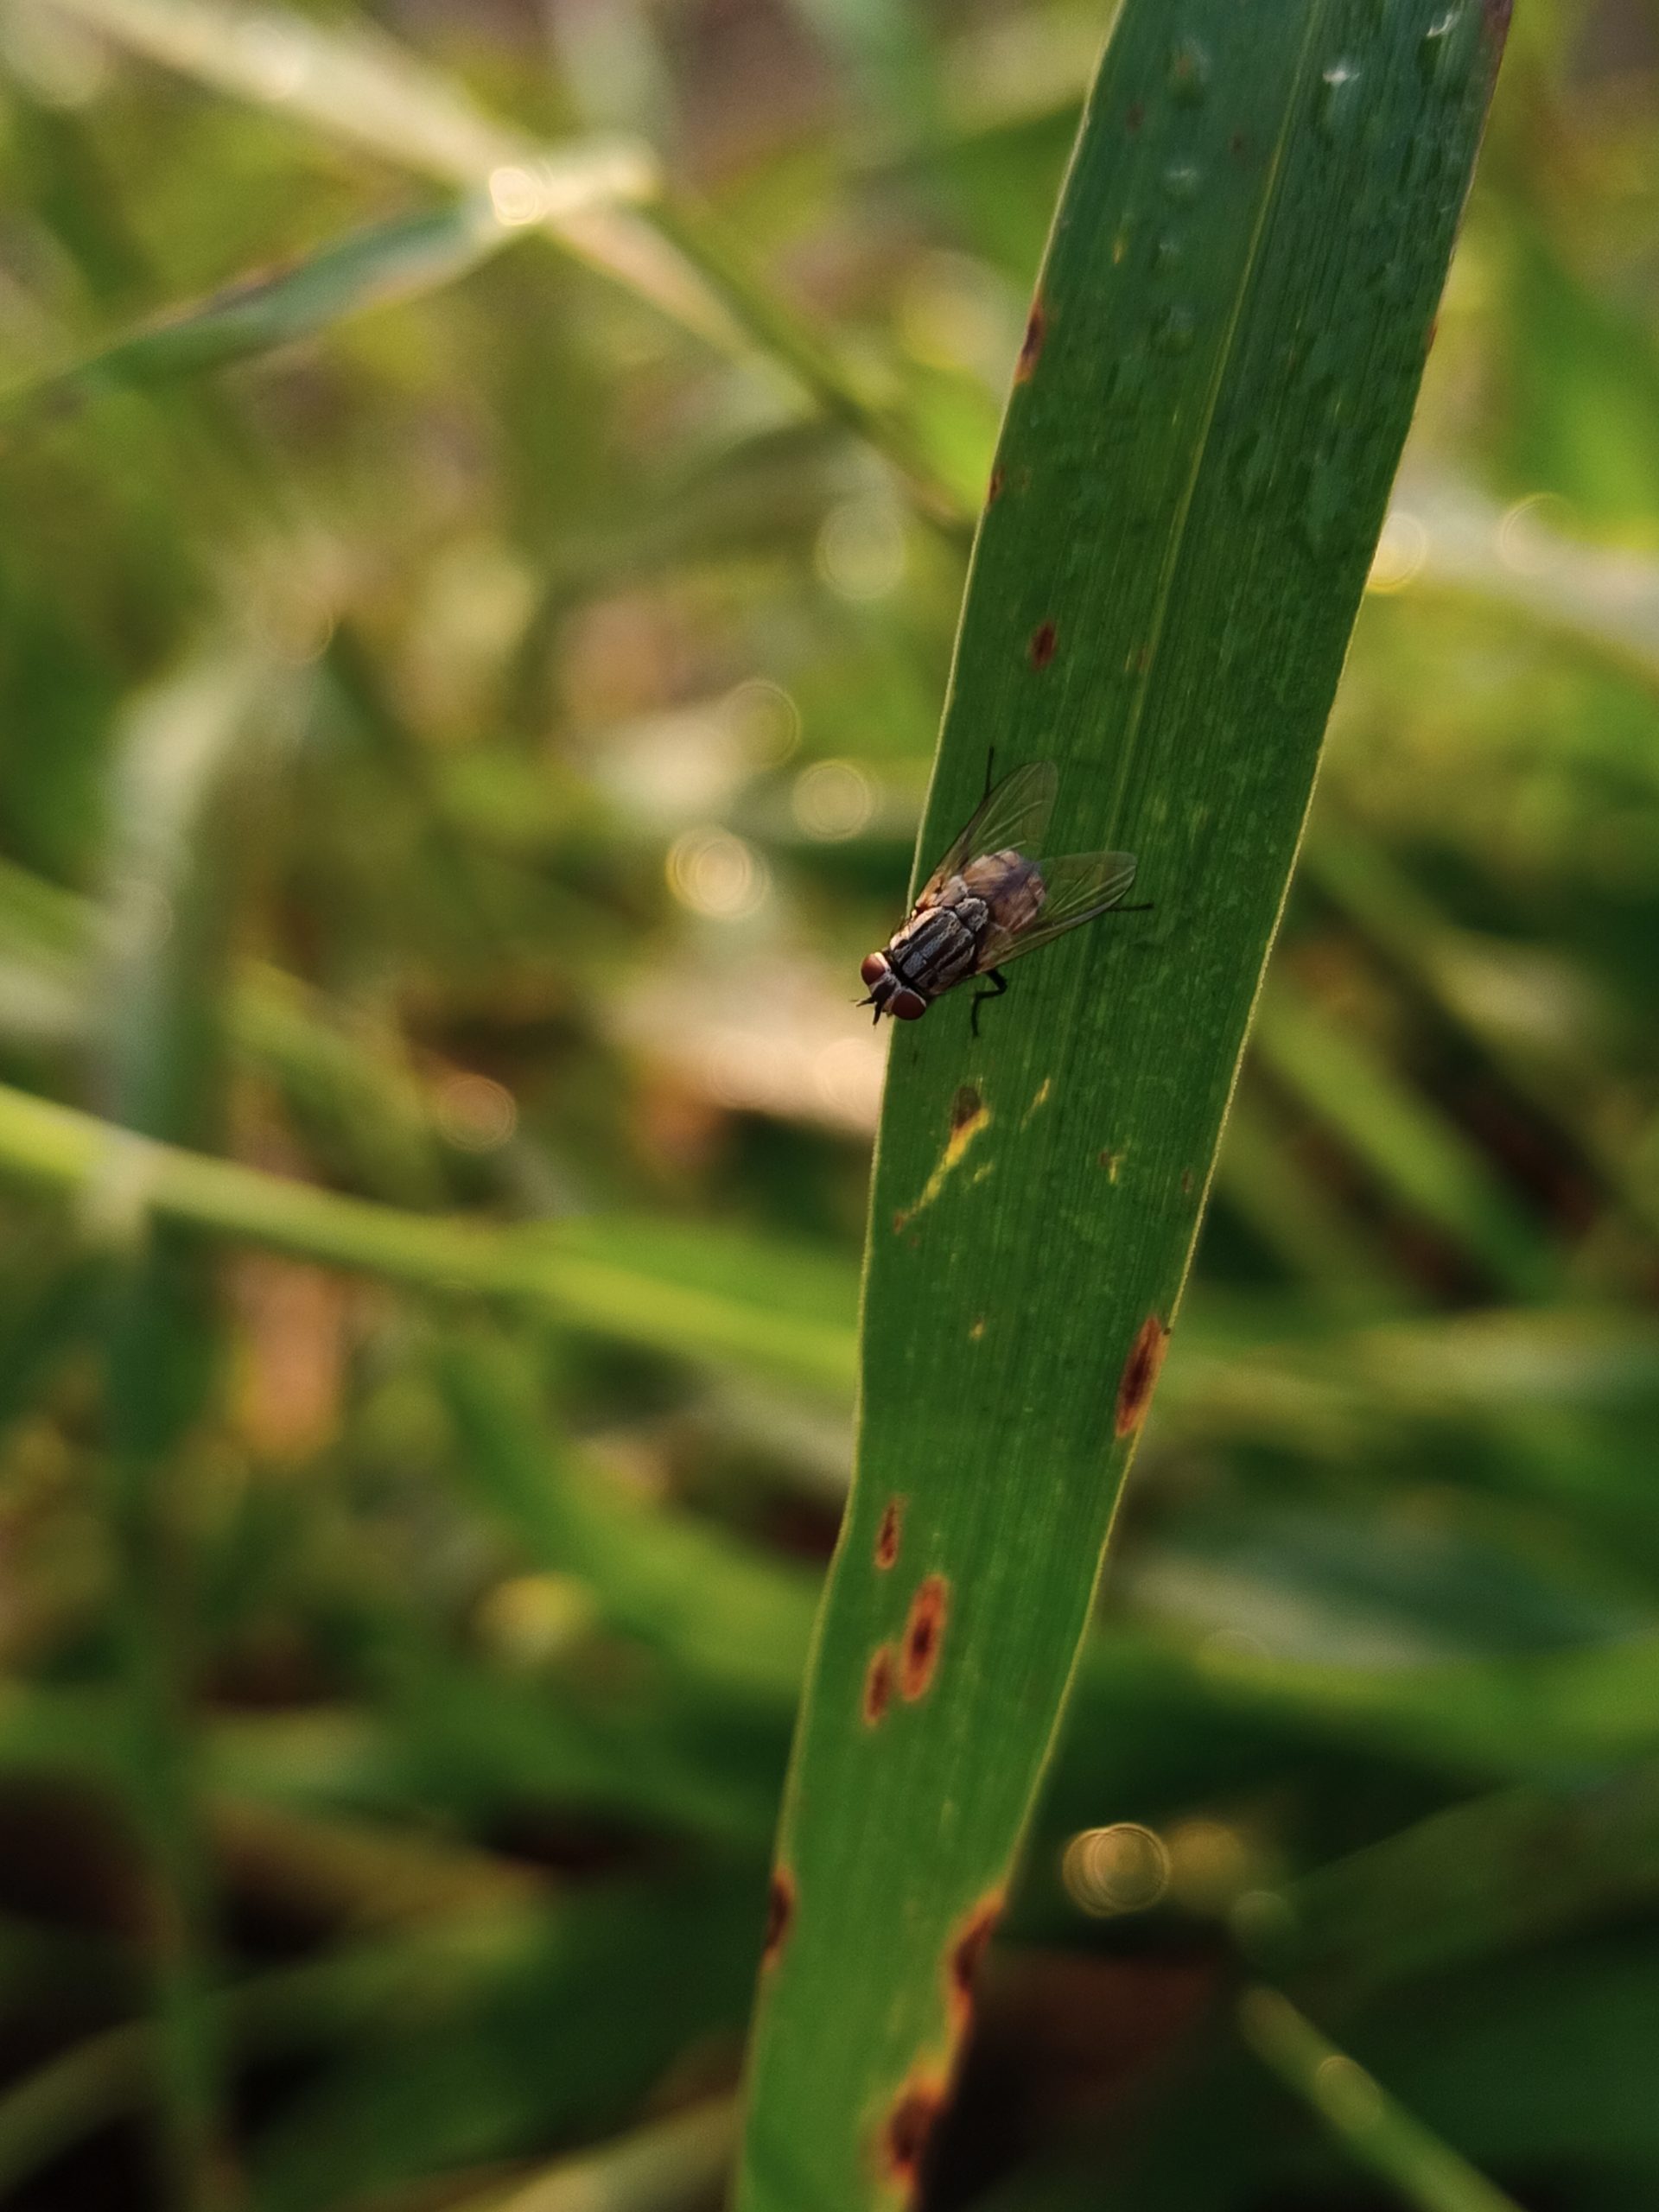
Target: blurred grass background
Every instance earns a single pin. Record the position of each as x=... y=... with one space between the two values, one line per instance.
x=463 y=718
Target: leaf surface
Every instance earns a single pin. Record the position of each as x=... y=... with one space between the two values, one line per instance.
x=1220 y=367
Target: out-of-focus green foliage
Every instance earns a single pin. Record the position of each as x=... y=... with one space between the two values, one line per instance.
x=463 y=715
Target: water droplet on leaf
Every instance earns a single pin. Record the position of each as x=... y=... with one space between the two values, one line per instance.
x=1338 y=98
x=1440 y=43
x=1181 y=182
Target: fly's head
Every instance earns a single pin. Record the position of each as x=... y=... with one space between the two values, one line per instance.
x=887 y=993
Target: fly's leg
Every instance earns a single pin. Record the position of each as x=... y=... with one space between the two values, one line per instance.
x=998 y=984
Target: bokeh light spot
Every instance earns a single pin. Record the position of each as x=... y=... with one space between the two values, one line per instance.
x=833 y=799
x=861 y=551
x=475 y=1113
x=1124 y=1868
x=716 y=874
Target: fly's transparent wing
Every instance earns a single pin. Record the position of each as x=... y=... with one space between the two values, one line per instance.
x=1075 y=889
x=1015 y=813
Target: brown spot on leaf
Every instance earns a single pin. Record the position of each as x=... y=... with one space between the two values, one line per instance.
x=878 y=1684
x=963 y=1107
x=1032 y=347
x=1140 y=1373
x=887 y=1536
x=1237 y=143
x=910 y=2125
x=994 y=490
x=1043 y=642
x=1186 y=1182
x=1137 y=116
x=781 y=1912
x=923 y=1633
x=967 y=1950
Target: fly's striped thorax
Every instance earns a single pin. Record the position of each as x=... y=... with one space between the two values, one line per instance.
x=936 y=948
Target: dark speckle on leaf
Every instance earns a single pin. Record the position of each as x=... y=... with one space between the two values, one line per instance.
x=878 y=1684
x=887 y=1536
x=910 y=2123
x=781 y=1912
x=923 y=1634
x=1140 y=1373
x=968 y=1947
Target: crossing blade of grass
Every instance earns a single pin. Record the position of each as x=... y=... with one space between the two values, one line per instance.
x=1297 y=1221
x=359 y=85
x=664 y=2166
x=701 y=1297
x=1220 y=366
x=373 y=1113
x=168 y=919
x=1457 y=1887
x=1454 y=971
x=1417 y=1156
x=373 y=267
x=1378 y=2133
x=603 y=200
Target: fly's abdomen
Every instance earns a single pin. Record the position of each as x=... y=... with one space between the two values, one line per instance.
x=936 y=948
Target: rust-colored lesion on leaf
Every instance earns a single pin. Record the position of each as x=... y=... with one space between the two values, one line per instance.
x=889 y=1534
x=911 y=2119
x=968 y=1943
x=924 y=1635
x=1140 y=1373
x=1031 y=348
x=878 y=1684
x=780 y=1916
x=1044 y=640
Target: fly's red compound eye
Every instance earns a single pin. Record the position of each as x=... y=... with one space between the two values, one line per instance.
x=907 y=1006
x=872 y=968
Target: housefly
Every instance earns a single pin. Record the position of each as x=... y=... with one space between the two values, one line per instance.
x=991 y=899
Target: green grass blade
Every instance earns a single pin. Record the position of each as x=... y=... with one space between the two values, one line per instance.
x=169 y=915
x=1415 y=1154
x=602 y=199
x=373 y=267
x=726 y=1301
x=1293 y=1218
x=354 y=82
x=720 y=1614
x=375 y=1116
x=1453 y=971
x=1377 y=2133
x=1228 y=338
x=664 y=2166
x=1461 y=1885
